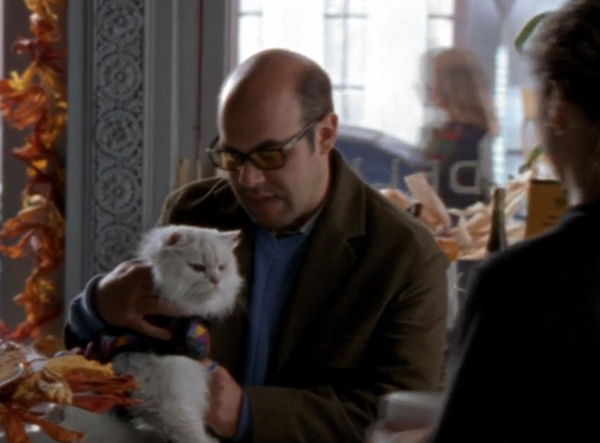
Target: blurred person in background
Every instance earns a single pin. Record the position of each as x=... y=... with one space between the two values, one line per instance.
x=458 y=151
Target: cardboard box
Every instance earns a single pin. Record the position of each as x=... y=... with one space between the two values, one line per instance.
x=547 y=202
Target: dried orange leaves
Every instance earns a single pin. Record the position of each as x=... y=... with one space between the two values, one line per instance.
x=36 y=99
x=44 y=386
x=65 y=380
x=21 y=100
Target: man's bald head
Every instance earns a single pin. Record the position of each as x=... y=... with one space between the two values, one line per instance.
x=276 y=72
x=278 y=104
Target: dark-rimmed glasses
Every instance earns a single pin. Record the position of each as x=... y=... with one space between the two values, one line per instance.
x=272 y=156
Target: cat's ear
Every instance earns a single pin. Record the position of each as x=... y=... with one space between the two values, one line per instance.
x=233 y=237
x=173 y=238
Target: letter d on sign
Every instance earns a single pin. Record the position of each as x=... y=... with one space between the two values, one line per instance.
x=457 y=187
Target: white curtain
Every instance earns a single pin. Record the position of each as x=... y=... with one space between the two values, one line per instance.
x=396 y=43
x=296 y=25
x=396 y=38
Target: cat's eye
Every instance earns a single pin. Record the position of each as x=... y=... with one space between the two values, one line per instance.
x=198 y=268
x=221 y=267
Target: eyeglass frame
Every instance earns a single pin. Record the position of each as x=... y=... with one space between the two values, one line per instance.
x=286 y=147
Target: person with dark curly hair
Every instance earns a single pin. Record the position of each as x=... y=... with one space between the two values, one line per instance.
x=525 y=363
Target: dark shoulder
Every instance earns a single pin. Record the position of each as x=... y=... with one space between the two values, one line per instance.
x=186 y=201
x=389 y=224
x=558 y=267
x=564 y=246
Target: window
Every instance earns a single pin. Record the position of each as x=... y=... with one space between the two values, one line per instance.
x=373 y=52
x=501 y=96
x=345 y=46
x=440 y=32
x=512 y=77
x=249 y=28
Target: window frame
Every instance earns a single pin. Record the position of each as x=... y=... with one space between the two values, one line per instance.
x=345 y=86
x=433 y=17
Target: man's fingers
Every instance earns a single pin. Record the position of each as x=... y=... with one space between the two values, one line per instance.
x=137 y=261
x=141 y=270
x=153 y=305
x=149 y=330
x=129 y=264
x=413 y=436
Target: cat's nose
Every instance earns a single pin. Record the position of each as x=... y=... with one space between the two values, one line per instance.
x=215 y=280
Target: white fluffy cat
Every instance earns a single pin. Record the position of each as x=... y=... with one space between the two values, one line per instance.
x=196 y=270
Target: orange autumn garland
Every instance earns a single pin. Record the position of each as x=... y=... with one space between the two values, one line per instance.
x=36 y=100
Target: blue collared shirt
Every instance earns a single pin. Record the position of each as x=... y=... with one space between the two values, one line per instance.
x=276 y=264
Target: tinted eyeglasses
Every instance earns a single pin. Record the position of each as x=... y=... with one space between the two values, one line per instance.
x=270 y=156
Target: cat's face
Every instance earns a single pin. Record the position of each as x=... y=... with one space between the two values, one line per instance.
x=195 y=268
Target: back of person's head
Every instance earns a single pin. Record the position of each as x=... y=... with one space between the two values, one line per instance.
x=461 y=88
x=567 y=52
x=566 y=63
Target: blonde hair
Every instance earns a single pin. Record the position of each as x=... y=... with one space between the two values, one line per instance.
x=463 y=90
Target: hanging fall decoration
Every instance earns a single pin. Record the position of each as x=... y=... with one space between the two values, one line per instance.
x=35 y=101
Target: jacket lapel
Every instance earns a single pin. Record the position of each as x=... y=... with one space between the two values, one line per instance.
x=329 y=258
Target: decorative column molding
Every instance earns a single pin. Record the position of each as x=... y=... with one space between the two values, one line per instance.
x=133 y=80
x=105 y=147
x=117 y=166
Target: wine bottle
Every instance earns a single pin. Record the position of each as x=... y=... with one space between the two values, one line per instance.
x=497 y=240
x=415 y=209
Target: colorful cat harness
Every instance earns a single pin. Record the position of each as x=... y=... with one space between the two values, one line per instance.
x=190 y=337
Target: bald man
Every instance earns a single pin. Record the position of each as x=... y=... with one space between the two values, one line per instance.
x=346 y=294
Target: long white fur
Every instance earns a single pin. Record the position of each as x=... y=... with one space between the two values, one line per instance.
x=174 y=389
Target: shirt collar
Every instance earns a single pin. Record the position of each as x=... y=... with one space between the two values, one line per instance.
x=305 y=229
x=310 y=223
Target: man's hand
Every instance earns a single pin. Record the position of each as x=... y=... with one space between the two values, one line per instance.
x=413 y=436
x=125 y=296
x=225 y=406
